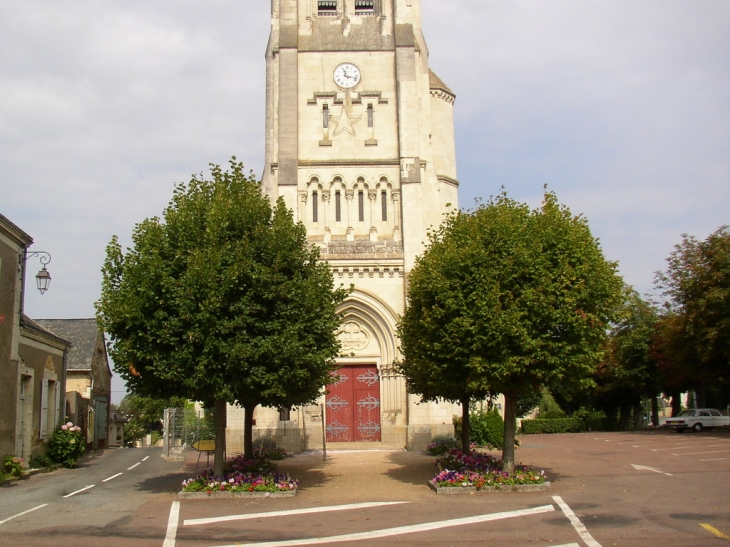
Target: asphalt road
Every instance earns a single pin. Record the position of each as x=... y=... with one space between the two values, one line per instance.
x=608 y=489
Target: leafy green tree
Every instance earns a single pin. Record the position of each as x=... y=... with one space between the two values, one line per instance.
x=221 y=301
x=697 y=286
x=505 y=300
x=144 y=414
x=630 y=373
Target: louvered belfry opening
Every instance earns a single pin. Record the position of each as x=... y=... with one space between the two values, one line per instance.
x=327 y=7
x=364 y=7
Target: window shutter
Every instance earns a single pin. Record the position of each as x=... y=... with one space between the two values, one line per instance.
x=43 y=431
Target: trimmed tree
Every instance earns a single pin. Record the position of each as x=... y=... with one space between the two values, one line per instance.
x=221 y=301
x=506 y=300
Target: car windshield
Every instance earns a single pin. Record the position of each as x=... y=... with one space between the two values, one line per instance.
x=686 y=413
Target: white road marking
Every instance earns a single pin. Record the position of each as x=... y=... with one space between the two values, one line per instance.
x=400 y=530
x=577 y=524
x=645 y=468
x=172 y=523
x=79 y=491
x=196 y=522
x=135 y=465
x=145 y=458
x=112 y=477
x=715 y=460
x=706 y=452
x=23 y=513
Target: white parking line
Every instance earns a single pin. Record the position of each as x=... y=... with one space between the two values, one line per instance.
x=707 y=452
x=400 y=530
x=23 y=513
x=135 y=465
x=715 y=460
x=112 y=477
x=577 y=524
x=145 y=458
x=172 y=525
x=196 y=522
x=79 y=491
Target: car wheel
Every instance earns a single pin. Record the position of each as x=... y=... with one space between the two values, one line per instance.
x=697 y=428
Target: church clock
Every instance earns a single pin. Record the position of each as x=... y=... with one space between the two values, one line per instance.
x=347 y=75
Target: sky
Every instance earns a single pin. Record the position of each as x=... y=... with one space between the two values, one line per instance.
x=621 y=107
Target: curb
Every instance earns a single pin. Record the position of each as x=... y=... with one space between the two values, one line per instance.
x=234 y=495
x=456 y=490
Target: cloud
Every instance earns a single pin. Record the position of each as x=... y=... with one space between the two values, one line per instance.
x=619 y=106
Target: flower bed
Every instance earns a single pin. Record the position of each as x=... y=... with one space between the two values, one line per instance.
x=241 y=476
x=482 y=472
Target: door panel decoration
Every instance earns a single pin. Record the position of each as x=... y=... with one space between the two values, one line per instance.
x=353 y=405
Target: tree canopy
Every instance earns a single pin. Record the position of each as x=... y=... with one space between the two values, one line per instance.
x=697 y=287
x=222 y=300
x=630 y=370
x=505 y=300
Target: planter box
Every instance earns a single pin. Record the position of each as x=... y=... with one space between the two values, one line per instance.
x=450 y=490
x=234 y=495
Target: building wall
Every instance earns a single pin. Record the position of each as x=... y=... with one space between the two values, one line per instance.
x=9 y=280
x=42 y=370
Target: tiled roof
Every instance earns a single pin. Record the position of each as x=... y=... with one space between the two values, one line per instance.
x=28 y=323
x=437 y=83
x=82 y=333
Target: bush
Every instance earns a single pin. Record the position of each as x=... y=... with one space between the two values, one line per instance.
x=551 y=415
x=40 y=462
x=487 y=428
x=12 y=466
x=67 y=445
x=441 y=444
x=556 y=425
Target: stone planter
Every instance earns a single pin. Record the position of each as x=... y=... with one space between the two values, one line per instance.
x=451 y=490
x=234 y=495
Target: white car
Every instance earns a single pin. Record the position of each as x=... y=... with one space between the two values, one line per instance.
x=698 y=419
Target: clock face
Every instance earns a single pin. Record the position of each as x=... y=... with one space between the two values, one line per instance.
x=347 y=75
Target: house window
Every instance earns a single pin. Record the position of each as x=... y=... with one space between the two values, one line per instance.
x=384 y=204
x=327 y=7
x=315 y=207
x=364 y=7
x=284 y=414
x=361 y=206
x=326 y=116
x=338 y=206
x=371 y=115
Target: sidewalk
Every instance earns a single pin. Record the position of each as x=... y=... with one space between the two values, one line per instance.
x=351 y=476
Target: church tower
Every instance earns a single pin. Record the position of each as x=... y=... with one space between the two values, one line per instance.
x=360 y=144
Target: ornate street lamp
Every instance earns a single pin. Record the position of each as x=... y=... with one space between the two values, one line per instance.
x=43 y=277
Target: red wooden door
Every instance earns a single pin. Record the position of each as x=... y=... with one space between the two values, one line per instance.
x=353 y=405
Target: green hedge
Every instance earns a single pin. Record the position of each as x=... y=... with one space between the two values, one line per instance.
x=487 y=428
x=554 y=425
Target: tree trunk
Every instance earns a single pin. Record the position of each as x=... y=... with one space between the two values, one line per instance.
x=638 y=416
x=624 y=417
x=465 y=426
x=221 y=423
x=676 y=404
x=654 y=411
x=700 y=398
x=248 y=432
x=510 y=423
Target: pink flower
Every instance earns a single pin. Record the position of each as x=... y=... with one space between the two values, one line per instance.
x=69 y=424
x=64 y=427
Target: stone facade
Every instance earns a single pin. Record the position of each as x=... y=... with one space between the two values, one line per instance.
x=32 y=360
x=368 y=164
